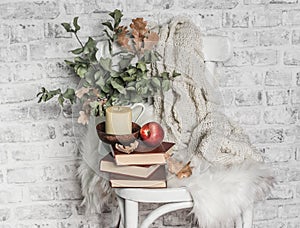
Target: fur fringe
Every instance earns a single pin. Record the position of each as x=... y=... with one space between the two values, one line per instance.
x=222 y=194
x=96 y=190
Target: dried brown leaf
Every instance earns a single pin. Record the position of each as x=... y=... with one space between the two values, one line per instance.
x=185 y=172
x=123 y=39
x=151 y=40
x=138 y=27
x=139 y=31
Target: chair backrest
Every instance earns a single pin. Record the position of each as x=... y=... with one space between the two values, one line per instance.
x=216 y=49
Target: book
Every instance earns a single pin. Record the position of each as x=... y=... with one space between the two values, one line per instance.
x=143 y=155
x=156 y=180
x=107 y=164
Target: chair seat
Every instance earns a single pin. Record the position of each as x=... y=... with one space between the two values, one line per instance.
x=162 y=195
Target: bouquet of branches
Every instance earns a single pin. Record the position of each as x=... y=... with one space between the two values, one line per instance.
x=121 y=76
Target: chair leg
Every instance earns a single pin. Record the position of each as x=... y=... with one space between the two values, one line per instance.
x=131 y=214
x=121 y=203
x=248 y=217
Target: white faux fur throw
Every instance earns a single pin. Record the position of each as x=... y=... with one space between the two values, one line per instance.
x=228 y=174
x=222 y=194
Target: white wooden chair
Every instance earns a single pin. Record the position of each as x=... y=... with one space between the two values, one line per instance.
x=215 y=49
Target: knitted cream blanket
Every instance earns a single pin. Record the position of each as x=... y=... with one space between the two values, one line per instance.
x=190 y=110
x=228 y=172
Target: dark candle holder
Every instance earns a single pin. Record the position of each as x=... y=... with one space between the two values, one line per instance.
x=121 y=139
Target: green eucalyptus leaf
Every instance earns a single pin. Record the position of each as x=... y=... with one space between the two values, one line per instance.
x=165 y=75
x=54 y=92
x=67 y=27
x=118 y=86
x=44 y=97
x=61 y=99
x=114 y=37
x=98 y=75
x=139 y=85
x=70 y=63
x=89 y=76
x=128 y=78
x=152 y=89
x=114 y=74
x=130 y=88
x=106 y=63
x=108 y=103
x=142 y=66
x=69 y=94
x=131 y=71
x=40 y=99
x=77 y=51
x=155 y=82
x=144 y=90
x=124 y=63
x=106 y=89
x=175 y=74
x=80 y=60
x=95 y=105
x=131 y=84
x=82 y=70
x=86 y=84
x=144 y=75
x=116 y=15
x=75 y=23
x=147 y=57
x=165 y=85
x=108 y=25
x=90 y=46
x=100 y=82
x=135 y=98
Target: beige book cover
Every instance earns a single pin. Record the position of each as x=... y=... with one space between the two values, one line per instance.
x=144 y=155
x=156 y=180
x=107 y=164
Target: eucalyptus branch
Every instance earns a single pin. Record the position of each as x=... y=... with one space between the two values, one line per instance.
x=107 y=82
x=75 y=33
x=45 y=95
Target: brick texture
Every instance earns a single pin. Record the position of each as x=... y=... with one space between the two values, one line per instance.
x=38 y=157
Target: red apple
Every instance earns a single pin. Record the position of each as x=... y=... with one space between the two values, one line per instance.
x=152 y=134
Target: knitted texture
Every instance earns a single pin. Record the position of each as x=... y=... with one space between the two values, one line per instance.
x=190 y=111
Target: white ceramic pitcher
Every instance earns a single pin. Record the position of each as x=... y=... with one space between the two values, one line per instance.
x=138 y=109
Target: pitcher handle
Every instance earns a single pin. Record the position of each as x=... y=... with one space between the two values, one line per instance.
x=142 y=111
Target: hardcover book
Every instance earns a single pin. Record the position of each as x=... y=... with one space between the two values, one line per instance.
x=156 y=180
x=143 y=155
x=107 y=164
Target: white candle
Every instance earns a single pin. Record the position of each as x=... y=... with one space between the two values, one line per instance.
x=118 y=120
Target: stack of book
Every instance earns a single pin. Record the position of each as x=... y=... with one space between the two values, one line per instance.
x=141 y=168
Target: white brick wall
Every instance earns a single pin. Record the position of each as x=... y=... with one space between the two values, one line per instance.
x=38 y=159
